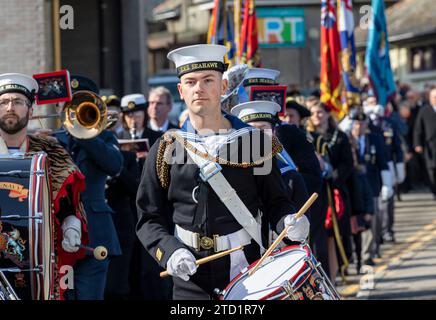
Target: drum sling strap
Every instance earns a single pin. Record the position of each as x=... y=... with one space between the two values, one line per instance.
x=210 y=172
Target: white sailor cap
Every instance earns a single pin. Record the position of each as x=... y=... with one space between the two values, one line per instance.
x=17 y=82
x=261 y=76
x=133 y=102
x=259 y=110
x=199 y=57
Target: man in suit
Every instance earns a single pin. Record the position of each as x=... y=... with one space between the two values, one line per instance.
x=160 y=103
x=97 y=158
x=424 y=138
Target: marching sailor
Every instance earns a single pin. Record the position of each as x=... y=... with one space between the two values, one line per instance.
x=200 y=193
x=263 y=115
x=384 y=126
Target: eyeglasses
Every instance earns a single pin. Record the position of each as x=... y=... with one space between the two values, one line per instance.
x=15 y=102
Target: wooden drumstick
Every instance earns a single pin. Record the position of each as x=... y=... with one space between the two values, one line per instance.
x=207 y=259
x=300 y=213
x=100 y=252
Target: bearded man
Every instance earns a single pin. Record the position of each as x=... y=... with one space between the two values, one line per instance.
x=17 y=92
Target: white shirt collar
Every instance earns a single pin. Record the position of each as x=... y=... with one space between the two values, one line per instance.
x=214 y=142
x=4 y=149
x=139 y=133
x=153 y=126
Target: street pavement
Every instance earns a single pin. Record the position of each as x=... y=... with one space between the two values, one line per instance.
x=407 y=268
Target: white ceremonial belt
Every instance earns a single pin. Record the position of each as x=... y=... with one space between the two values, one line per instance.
x=218 y=243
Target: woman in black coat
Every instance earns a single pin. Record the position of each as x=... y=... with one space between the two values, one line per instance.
x=334 y=146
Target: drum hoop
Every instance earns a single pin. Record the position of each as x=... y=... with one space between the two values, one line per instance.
x=47 y=233
x=303 y=272
x=305 y=265
x=33 y=276
x=42 y=283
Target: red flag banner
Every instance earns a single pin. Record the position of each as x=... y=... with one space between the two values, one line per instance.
x=212 y=33
x=249 y=45
x=331 y=80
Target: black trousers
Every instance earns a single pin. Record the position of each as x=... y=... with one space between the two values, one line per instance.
x=318 y=234
x=432 y=179
x=357 y=238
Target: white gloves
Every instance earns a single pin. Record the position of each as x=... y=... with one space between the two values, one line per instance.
x=72 y=234
x=387 y=189
x=401 y=172
x=300 y=228
x=181 y=264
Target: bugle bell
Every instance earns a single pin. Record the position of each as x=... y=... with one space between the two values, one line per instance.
x=85 y=116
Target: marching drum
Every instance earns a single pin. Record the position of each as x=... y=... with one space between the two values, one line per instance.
x=26 y=239
x=291 y=273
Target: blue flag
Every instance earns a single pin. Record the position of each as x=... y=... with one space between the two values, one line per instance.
x=378 y=64
x=348 y=53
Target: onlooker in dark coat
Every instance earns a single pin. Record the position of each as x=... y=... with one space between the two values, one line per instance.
x=424 y=138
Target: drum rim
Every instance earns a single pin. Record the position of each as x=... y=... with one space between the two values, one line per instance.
x=304 y=247
x=40 y=183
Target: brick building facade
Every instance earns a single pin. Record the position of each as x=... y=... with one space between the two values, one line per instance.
x=25 y=36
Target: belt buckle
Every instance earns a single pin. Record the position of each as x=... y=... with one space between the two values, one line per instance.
x=206 y=243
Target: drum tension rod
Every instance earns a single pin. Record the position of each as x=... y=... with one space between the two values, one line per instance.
x=18 y=217
x=287 y=287
x=18 y=270
x=21 y=173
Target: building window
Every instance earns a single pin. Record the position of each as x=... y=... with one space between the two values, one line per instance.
x=423 y=58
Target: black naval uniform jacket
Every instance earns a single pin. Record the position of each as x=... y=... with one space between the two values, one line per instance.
x=375 y=160
x=295 y=142
x=389 y=131
x=160 y=208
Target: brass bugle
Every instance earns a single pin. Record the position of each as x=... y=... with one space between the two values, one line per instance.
x=85 y=116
